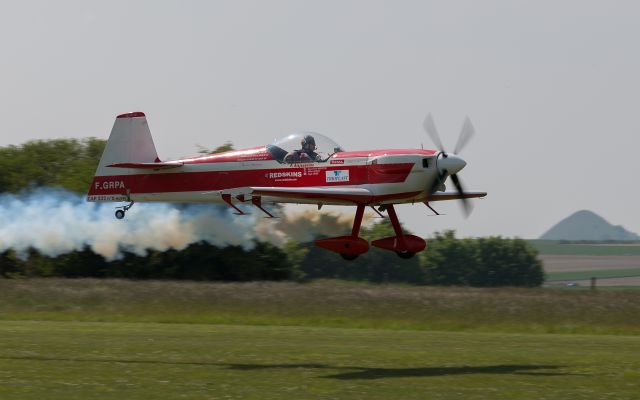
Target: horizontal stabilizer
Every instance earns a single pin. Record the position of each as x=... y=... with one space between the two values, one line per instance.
x=153 y=165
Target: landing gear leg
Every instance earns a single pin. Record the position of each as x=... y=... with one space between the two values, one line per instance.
x=357 y=222
x=121 y=211
x=349 y=247
x=405 y=246
x=399 y=234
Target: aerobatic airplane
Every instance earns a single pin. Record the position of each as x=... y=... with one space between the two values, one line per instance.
x=303 y=168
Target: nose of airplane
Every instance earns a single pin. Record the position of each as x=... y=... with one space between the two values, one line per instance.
x=451 y=163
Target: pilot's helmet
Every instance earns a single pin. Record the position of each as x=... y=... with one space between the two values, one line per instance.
x=307 y=141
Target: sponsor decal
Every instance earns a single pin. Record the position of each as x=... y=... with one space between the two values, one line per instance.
x=287 y=174
x=336 y=162
x=108 y=185
x=337 y=175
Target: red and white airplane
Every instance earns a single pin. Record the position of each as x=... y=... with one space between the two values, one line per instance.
x=303 y=168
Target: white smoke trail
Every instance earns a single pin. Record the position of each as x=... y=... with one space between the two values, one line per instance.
x=56 y=222
x=307 y=225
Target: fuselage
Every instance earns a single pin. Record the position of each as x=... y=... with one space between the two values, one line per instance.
x=398 y=175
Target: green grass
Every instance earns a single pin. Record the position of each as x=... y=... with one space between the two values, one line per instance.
x=114 y=339
x=324 y=304
x=601 y=274
x=84 y=360
x=551 y=247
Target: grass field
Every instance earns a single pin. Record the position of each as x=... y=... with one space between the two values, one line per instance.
x=81 y=360
x=567 y=263
x=326 y=304
x=113 y=339
x=614 y=264
x=545 y=247
x=601 y=273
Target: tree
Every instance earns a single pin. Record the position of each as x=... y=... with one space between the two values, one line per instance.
x=227 y=146
x=295 y=253
x=66 y=163
x=10 y=264
x=507 y=262
x=493 y=261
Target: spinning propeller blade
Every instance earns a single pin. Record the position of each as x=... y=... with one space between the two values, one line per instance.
x=467 y=207
x=430 y=128
x=449 y=165
x=466 y=133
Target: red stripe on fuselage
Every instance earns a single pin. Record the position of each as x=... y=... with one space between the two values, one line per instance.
x=219 y=180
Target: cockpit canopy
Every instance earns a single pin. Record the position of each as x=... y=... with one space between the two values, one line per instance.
x=303 y=147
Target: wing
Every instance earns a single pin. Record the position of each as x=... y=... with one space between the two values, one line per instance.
x=454 y=196
x=319 y=194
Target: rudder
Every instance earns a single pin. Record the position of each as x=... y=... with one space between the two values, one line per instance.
x=130 y=141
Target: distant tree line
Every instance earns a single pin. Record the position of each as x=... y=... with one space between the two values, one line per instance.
x=65 y=163
x=71 y=163
x=492 y=261
x=448 y=261
x=199 y=261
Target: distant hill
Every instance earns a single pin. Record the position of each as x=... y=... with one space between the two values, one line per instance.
x=587 y=225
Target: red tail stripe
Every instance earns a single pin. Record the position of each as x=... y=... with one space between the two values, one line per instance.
x=131 y=114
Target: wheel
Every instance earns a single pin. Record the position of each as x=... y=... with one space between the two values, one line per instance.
x=119 y=214
x=405 y=254
x=349 y=257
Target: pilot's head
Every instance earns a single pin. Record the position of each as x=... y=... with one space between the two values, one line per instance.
x=308 y=143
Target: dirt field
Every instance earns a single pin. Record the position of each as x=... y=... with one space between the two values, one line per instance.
x=567 y=263
x=632 y=281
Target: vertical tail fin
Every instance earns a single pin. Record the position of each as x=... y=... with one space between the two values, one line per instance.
x=130 y=142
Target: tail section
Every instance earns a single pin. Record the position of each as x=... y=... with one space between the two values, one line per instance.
x=130 y=142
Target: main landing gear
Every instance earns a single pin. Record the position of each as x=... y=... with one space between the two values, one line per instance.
x=405 y=246
x=120 y=212
x=350 y=247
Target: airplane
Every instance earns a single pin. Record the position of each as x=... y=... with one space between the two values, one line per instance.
x=302 y=168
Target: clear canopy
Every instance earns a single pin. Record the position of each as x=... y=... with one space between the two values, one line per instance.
x=303 y=147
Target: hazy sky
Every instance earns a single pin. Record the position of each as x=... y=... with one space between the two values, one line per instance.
x=552 y=88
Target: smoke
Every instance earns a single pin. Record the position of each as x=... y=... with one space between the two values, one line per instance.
x=56 y=222
x=306 y=225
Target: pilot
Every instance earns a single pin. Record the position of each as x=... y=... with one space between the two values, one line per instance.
x=306 y=153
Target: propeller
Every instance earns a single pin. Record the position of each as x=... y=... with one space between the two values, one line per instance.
x=432 y=131
x=450 y=163
x=466 y=133
x=467 y=207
